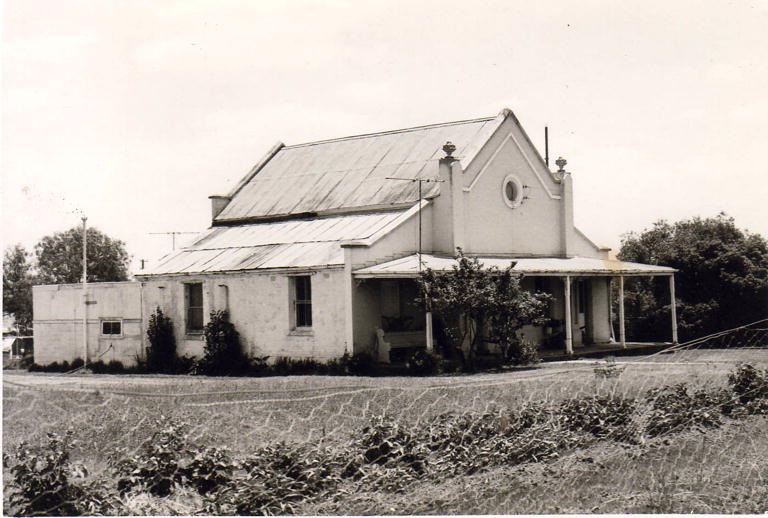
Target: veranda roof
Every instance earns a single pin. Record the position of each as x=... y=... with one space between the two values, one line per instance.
x=534 y=266
x=300 y=243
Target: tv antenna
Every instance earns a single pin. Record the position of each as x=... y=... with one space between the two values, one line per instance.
x=421 y=181
x=173 y=236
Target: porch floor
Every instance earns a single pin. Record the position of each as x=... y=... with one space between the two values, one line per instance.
x=601 y=350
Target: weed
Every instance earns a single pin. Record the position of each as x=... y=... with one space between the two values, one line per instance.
x=675 y=408
x=750 y=385
x=168 y=459
x=601 y=416
x=422 y=363
x=41 y=478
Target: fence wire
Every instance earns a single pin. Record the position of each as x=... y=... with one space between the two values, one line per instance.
x=679 y=431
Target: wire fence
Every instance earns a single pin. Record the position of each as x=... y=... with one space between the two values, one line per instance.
x=682 y=430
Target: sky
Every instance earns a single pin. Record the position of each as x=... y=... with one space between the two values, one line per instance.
x=132 y=113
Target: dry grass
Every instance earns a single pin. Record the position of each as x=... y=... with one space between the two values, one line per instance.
x=691 y=473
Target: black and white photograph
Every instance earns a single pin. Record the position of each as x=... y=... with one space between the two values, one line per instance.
x=384 y=257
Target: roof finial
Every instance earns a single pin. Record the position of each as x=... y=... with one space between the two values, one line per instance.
x=449 y=148
x=560 y=163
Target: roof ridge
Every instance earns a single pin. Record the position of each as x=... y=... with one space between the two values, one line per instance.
x=391 y=132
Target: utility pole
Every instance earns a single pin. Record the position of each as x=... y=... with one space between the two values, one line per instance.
x=85 y=292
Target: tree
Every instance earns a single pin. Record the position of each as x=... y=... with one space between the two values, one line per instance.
x=471 y=300
x=722 y=280
x=60 y=257
x=17 y=286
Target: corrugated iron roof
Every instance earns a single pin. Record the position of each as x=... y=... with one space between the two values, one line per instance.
x=538 y=266
x=286 y=244
x=351 y=172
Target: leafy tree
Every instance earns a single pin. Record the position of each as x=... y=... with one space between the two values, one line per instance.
x=60 y=257
x=722 y=280
x=161 y=353
x=472 y=301
x=17 y=286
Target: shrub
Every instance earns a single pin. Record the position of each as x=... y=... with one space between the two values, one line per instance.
x=468 y=443
x=523 y=352
x=386 y=443
x=98 y=367
x=258 y=366
x=338 y=366
x=599 y=415
x=115 y=367
x=161 y=352
x=222 y=353
x=422 y=363
x=40 y=479
x=285 y=366
x=167 y=459
x=750 y=385
x=276 y=478
x=674 y=408
x=361 y=364
x=54 y=367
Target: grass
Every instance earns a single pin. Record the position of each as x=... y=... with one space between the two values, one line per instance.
x=689 y=472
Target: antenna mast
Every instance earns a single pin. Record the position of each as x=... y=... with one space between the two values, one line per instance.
x=421 y=181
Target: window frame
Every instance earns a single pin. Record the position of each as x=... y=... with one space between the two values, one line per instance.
x=188 y=286
x=518 y=187
x=118 y=321
x=298 y=318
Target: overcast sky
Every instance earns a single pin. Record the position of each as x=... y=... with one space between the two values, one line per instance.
x=133 y=112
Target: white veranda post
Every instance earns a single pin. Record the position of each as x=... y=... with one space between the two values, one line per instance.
x=568 y=325
x=622 y=330
x=673 y=307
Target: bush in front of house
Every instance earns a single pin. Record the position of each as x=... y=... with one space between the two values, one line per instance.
x=522 y=352
x=112 y=367
x=222 y=355
x=285 y=366
x=361 y=364
x=422 y=363
x=161 y=352
x=64 y=366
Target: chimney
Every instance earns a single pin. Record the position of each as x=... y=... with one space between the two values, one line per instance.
x=218 y=203
x=566 y=215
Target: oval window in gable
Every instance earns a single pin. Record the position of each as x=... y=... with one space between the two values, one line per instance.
x=512 y=191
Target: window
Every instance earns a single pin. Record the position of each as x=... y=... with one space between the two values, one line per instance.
x=111 y=327
x=512 y=191
x=194 y=301
x=302 y=301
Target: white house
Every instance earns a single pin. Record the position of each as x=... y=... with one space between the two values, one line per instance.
x=316 y=250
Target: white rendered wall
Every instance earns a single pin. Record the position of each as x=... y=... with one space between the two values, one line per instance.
x=58 y=322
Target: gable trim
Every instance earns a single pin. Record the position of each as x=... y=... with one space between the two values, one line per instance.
x=511 y=137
